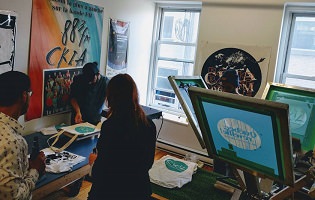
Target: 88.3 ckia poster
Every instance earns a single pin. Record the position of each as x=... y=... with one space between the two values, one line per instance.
x=64 y=34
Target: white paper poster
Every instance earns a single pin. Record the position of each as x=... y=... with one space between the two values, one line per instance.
x=117 y=47
x=7 y=40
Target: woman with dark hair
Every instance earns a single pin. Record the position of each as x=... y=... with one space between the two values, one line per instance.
x=126 y=147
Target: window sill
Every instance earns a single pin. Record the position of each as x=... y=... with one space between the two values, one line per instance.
x=175 y=118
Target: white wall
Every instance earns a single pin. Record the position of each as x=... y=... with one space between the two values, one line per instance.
x=140 y=13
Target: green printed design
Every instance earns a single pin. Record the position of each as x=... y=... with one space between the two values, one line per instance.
x=84 y=129
x=176 y=166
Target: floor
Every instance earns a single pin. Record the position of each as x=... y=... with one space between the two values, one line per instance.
x=62 y=195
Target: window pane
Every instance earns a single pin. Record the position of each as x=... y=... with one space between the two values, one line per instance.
x=300 y=64
x=177 y=51
x=300 y=82
x=304 y=33
x=179 y=26
x=163 y=98
x=301 y=56
x=168 y=27
x=163 y=83
x=171 y=68
x=175 y=56
x=163 y=93
x=166 y=71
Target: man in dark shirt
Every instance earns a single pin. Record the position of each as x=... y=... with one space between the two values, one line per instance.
x=230 y=83
x=87 y=95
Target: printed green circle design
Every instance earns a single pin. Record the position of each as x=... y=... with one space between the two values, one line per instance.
x=84 y=129
x=176 y=166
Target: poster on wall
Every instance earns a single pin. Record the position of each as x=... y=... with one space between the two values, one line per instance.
x=117 y=47
x=56 y=91
x=64 y=34
x=250 y=63
x=7 y=40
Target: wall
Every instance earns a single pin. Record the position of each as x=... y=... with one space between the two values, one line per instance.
x=140 y=18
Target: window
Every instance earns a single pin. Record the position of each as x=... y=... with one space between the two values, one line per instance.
x=296 y=55
x=173 y=53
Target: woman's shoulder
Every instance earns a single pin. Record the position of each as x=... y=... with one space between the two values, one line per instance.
x=150 y=126
x=151 y=123
x=113 y=121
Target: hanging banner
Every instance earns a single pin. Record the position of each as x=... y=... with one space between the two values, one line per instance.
x=64 y=34
x=7 y=40
x=117 y=48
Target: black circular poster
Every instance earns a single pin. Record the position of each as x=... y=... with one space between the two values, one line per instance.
x=247 y=67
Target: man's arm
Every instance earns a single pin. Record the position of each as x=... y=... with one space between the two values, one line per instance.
x=76 y=108
x=18 y=187
x=17 y=180
x=74 y=92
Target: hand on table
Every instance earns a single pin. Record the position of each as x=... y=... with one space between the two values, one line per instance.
x=78 y=118
x=92 y=157
x=38 y=163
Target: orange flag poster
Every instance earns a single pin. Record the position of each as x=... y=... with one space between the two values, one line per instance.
x=64 y=34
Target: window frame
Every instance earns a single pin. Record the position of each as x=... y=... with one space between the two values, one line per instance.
x=291 y=11
x=156 y=44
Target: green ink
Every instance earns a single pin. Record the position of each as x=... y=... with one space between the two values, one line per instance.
x=84 y=129
x=176 y=166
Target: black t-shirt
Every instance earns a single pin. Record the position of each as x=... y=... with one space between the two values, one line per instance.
x=90 y=97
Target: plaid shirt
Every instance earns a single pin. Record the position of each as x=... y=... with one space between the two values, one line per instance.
x=16 y=179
